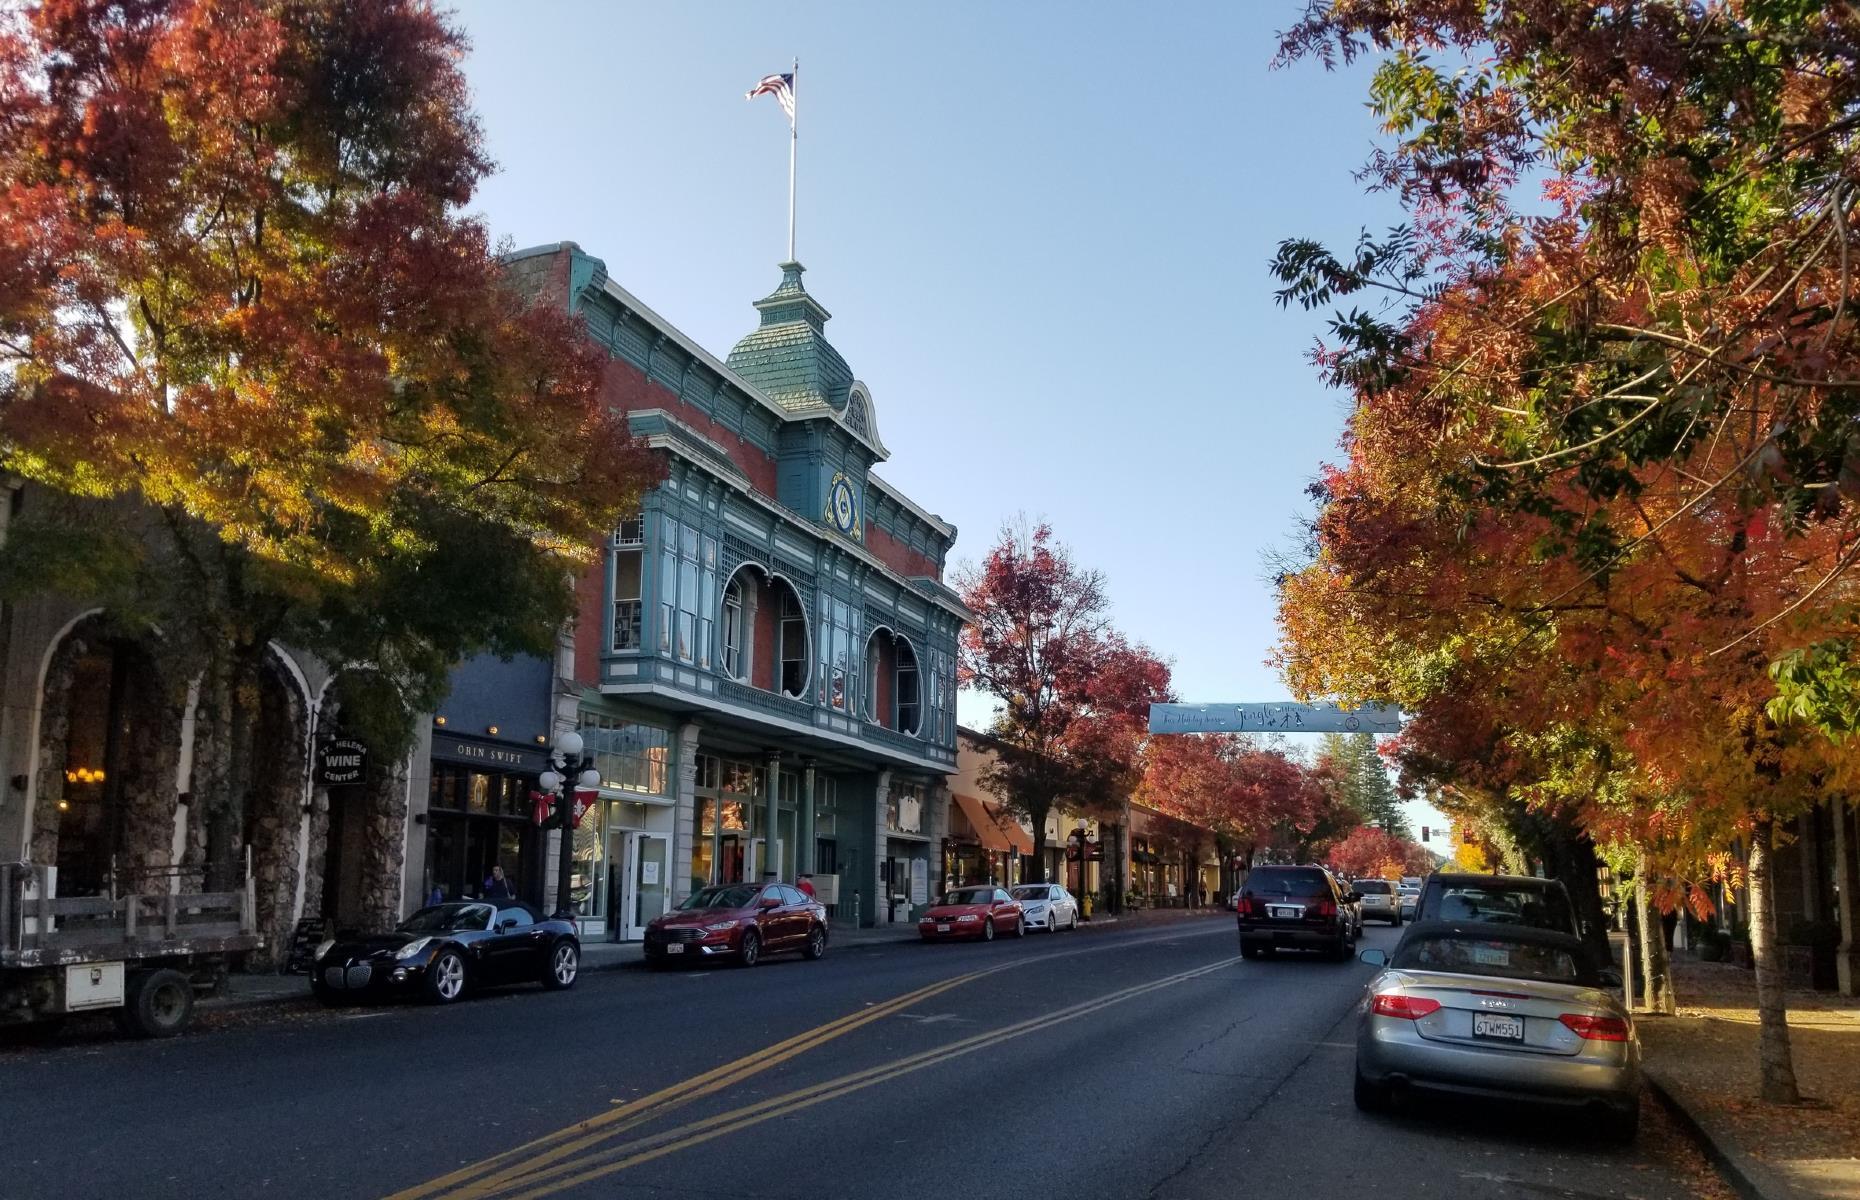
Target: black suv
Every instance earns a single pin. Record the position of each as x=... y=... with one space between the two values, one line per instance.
x=1498 y=900
x=1294 y=908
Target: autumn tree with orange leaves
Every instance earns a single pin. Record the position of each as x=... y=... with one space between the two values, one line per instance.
x=1603 y=469
x=272 y=381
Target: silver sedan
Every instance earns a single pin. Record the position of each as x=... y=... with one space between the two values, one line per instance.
x=1047 y=906
x=1498 y=1011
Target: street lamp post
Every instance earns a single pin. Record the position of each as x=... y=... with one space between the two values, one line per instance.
x=566 y=759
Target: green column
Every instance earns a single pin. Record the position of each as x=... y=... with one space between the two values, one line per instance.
x=804 y=823
x=771 y=819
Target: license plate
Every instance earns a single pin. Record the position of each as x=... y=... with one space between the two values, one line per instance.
x=1492 y=1025
x=1285 y=912
x=674 y=948
x=1491 y=956
x=942 y=929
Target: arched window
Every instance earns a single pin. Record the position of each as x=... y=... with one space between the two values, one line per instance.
x=735 y=633
x=791 y=643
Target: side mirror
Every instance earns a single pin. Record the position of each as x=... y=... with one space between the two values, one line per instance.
x=768 y=902
x=1375 y=958
x=507 y=923
x=1610 y=977
x=1356 y=897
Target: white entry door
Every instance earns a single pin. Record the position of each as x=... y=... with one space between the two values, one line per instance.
x=648 y=883
x=756 y=860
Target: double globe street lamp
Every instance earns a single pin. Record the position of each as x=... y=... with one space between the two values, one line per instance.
x=565 y=759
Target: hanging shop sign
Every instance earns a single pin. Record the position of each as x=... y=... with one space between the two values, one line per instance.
x=340 y=762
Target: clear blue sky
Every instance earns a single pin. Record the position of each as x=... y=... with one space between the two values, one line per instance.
x=1042 y=230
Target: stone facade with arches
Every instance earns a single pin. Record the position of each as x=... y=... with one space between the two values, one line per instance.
x=101 y=758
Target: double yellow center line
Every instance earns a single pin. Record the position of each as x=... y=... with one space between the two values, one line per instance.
x=493 y=1174
x=539 y=1169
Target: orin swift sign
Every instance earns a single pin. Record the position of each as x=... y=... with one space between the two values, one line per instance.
x=341 y=761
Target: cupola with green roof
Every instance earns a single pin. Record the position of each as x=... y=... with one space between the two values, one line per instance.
x=787 y=356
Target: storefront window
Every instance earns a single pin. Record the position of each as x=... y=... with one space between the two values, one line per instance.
x=587 y=886
x=478 y=820
x=904 y=808
x=631 y=757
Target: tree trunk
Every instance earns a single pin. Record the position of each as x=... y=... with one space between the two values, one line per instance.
x=224 y=726
x=1775 y=1062
x=1570 y=857
x=1655 y=971
x=1039 y=845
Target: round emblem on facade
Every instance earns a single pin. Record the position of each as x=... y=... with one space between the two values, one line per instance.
x=841 y=509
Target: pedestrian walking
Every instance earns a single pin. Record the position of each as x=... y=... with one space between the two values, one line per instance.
x=497 y=887
x=806 y=886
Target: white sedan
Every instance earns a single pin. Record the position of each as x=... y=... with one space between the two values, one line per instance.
x=1047 y=906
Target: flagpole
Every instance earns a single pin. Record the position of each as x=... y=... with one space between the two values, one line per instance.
x=794 y=140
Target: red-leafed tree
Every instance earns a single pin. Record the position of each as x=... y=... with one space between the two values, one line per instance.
x=270 y=375
x=1073 y=695
x=1368 y=852
x=1251 y=798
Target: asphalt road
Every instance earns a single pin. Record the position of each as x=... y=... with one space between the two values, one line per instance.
x=1150 y=1063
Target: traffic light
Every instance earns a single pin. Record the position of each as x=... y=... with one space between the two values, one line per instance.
x=1425 y=832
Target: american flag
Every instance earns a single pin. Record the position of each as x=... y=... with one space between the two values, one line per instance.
x=779 y=86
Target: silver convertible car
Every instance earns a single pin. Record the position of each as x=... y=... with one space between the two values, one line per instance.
x=1498 y=1011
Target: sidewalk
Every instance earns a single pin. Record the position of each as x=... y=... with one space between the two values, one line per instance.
x=1704 y=1062
x=245 y=991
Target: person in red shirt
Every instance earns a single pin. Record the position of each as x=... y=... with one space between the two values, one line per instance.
x=806 y=886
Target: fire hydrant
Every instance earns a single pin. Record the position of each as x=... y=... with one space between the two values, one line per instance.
x=1085 y=906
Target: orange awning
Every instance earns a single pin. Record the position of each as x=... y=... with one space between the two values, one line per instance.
x=995 y=828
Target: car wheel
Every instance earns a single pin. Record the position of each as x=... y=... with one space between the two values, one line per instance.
x=1341 y=952
x=751 y=952
x=564 y=966
x=988 y=929
x=816 y=943
x=327 y=996
x=1621 y=1125
x=1249 y=951
x=1073 y=924
x=1372 y=1097
x=1020 y=927
x=158 y=1004
x=445 y=978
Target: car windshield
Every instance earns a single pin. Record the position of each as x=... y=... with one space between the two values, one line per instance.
x=1030 y=893
x=448 y=918
x=1501 y=957
x=1538 y=908
x=1378 y=886
x=734 y=896
x=970 y=896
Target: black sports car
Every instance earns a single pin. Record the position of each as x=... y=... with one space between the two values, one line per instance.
x=444 y=949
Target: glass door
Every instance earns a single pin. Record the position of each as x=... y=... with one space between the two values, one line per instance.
x=648 y=881
x=756 y=859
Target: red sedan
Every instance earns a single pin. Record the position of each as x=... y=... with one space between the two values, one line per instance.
x=973 y=912
x=740 y=921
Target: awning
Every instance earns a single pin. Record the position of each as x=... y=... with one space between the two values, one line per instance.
x=995 y=828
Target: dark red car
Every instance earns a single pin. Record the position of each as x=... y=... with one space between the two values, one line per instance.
x=973 y=912
x=743 y=921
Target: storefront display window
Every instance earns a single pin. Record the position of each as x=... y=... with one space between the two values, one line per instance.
x=904 y=808
x=631 y=757
x=477 y=820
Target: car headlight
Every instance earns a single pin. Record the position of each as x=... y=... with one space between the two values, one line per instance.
x=970 y=919
x=325 y=946
x=412 y=948
x=1034 y=910
x=720 y=926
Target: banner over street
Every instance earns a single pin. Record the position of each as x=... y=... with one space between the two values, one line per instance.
x=1278 y=717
